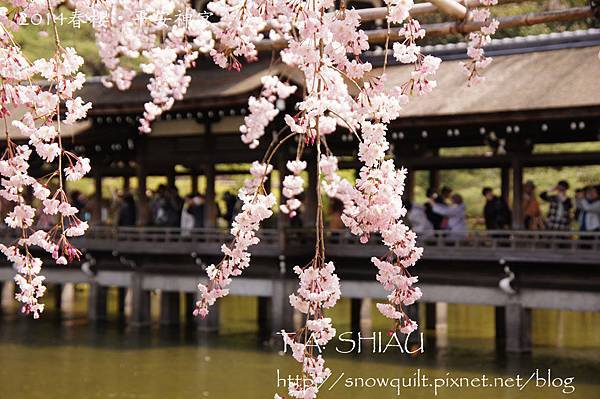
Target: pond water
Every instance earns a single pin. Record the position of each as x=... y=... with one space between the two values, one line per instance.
x=66 y=357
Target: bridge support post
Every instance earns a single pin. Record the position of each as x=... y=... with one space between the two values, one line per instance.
x=413 y=312
x=210 y=324
x=430 y=316
x=500 y=321
x=517 y=191
x=517 y=328
x=169 y=308
x=360 y=316
x=190 y=304
x=58 y=290
x=2 y=284
x=282 y=314
x=140 y=302
x=121 y=295
x=210 y=206
x=97 y=302
x=264 y=322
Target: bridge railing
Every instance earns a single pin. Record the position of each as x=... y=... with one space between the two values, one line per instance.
x=477 y=238
x=341 y=242
x=475 y=243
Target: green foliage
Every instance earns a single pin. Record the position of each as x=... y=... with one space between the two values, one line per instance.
x=36 y=39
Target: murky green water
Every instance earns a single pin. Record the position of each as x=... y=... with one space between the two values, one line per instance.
x=70 y=359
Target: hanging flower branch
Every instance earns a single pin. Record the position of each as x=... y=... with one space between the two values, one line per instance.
x=340 y=91
x=344 y=93
x=40 y=123
x=168 y=35
x=263 y=110
x=479 y=39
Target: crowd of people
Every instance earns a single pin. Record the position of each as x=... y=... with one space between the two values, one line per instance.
x=446 y=210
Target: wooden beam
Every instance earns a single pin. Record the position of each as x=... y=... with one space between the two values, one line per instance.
x=496 y=161
x=451 y=8
x=446 y=28
x=375 y=13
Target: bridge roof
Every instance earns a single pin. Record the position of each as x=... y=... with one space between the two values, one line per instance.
x=565 y=78
x=531 y=73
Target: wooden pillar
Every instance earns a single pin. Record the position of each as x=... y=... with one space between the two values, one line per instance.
x=360 y=311
x=518 y=328
x=355 y=316
x=140 y=301
x=434 y=179
x=517 y=191
x=500 y=326
x=194 y=177
x=121 y=294
x=190 y=305
x=505 y=183
x=210 y=206
x=58 y=289
x=97 y=302
x=409 y=185
x=2 y=284
x=430 y=316
x=97 y=212
x=413 y=312
x=143 y=208
x=282 y=315
x=171 y=177
x=126 y=183
x=169 y=308
x=264 y=322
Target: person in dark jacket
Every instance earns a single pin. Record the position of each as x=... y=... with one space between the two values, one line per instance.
x=559 y=213
x=127 y=211
x=496 y=212
x=434 y=218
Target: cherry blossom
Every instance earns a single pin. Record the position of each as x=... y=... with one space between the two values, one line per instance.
x=293 y=185
x=341 y=91
x=40 y=124
x=263 y=110
x=479 y=39
x=255 y=209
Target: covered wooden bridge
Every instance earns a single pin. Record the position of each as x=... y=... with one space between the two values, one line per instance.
x=539 y=90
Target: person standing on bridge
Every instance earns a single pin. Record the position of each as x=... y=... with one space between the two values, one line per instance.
x=455 y=214
x=532 y=213
x=588 y=205
x=437 y=220
x=559 y=214
x=496 y=212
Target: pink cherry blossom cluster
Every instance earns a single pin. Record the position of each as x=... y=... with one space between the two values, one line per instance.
x=408 y=52
x=239 y=27
x=477 y=40
x=168 y=35
x=375 y=205
x=293 y=185
x=319 y=289
x=255 y=209
x=343 y=92
x=34 y=109
x=264 y=109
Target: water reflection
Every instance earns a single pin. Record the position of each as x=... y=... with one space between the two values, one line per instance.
x=67 y=357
